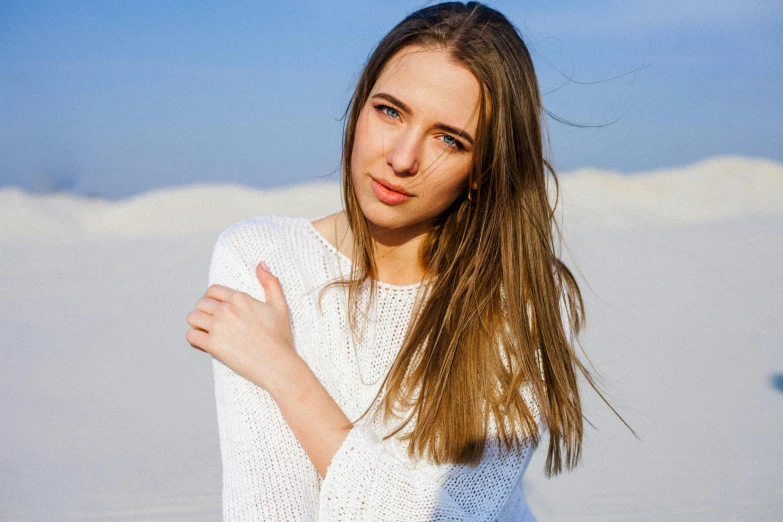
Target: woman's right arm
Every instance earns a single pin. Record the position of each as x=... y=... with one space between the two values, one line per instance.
x=266 y=473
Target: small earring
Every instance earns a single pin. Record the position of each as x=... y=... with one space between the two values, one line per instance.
x=470 y=198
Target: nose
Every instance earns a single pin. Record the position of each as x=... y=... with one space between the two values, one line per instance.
x=403 y=153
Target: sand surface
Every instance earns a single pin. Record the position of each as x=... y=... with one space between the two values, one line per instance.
x=108 y=413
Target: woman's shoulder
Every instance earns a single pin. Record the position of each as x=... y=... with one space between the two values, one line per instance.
x=285 y=243
x=262 y=227
x=262 y=238
x=288 y=245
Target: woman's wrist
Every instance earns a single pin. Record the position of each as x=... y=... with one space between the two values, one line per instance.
x=289 y=379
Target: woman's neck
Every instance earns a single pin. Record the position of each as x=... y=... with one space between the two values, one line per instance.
x=397 y=258
x=396 y=252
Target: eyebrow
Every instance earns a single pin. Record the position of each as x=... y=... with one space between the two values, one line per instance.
x=441 y=126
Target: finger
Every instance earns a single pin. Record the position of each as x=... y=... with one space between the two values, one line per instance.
x=220 y=292
x=200 y=320
x=207 y=305
x=198 y=339
x=273 y=292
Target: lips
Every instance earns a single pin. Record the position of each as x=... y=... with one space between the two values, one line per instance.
x=393 y=187
x=389 y=195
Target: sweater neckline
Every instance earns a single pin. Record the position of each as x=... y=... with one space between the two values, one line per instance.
x=349 y=261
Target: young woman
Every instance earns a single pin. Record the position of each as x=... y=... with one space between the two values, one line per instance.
x=400 y=359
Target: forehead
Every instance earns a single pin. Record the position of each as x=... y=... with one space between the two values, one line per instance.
x=433 y=85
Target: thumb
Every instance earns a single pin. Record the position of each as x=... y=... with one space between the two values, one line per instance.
x=273 y=292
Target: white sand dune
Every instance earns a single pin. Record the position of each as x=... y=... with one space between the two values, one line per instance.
x=718 y=188
x=108 y=414
x=190 y=209
x=708 y=191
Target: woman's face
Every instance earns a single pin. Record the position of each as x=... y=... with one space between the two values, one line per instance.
x=413 y=148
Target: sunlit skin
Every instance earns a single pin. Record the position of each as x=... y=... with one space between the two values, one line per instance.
x=415 y=132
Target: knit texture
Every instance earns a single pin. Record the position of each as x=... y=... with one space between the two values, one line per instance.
x=266 y=473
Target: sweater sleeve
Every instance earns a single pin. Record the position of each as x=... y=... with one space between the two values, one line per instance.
x=365 y=481
x=266 y=473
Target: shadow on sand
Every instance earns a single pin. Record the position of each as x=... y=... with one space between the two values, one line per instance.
x=777 y=381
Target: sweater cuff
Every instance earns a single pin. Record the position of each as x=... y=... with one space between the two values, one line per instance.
x=349 y=477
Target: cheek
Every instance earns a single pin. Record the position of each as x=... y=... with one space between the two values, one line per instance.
x=358 y=151
x=456 y=182
x=444 y=191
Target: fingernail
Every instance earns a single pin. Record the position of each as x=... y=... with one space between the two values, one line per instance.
x=266 y=267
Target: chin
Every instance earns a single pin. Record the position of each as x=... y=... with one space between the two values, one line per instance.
x=384 y=216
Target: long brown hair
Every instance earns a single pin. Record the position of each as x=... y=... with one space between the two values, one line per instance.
x=489 y=340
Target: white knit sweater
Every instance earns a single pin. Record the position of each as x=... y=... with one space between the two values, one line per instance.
x=266 y=473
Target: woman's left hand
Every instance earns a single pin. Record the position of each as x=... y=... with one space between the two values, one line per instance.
x=251 y=337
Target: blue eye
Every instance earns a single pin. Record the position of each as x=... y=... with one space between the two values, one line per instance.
x=390 y=111
x=451 y=141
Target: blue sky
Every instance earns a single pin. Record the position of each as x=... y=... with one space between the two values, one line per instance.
x=115 y=98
